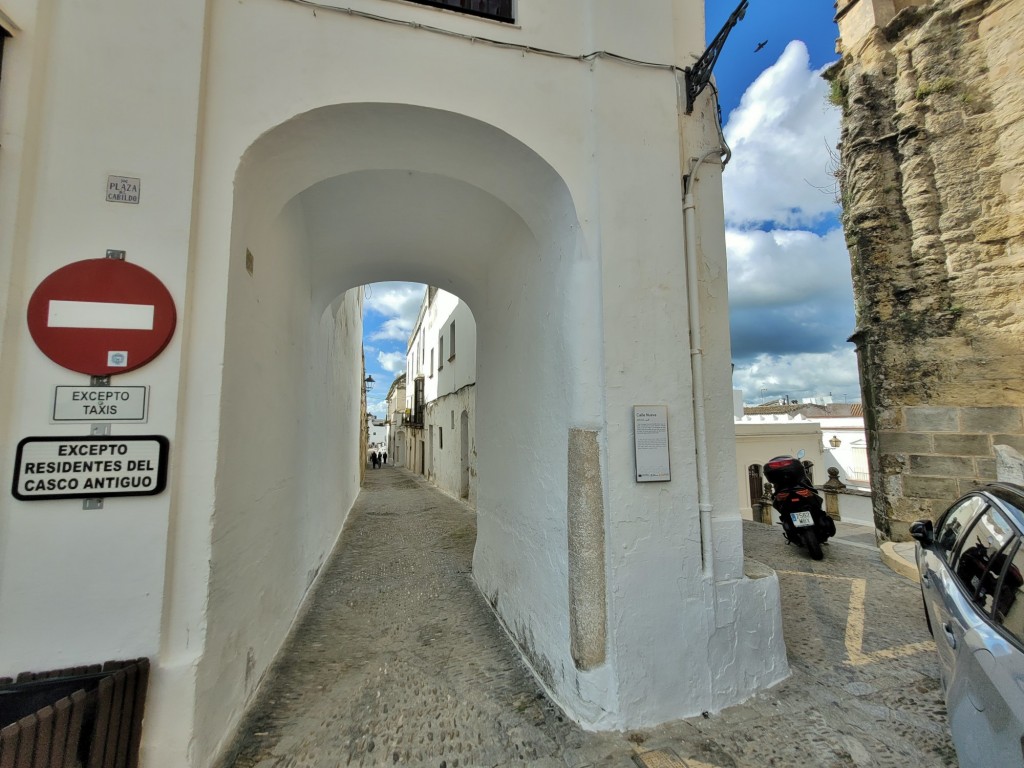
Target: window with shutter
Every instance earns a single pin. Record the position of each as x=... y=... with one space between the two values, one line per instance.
x=501 y=10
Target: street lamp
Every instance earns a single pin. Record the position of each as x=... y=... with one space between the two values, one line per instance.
x=368 y=383
x=764 y=391
x=835 y=442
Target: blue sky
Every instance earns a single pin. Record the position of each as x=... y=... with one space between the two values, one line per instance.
x=791 y=300
x=777 y=21
x=389 y=313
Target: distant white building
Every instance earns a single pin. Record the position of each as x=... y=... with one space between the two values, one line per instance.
x=440 y=414
x=396 y=412
x=376 y=433
x=763 y=437
x=831 y=435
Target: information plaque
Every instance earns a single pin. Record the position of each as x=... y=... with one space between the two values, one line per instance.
x=650 y=442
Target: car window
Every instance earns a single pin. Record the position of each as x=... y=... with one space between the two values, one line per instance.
x=1009 y=604
x=956 y=521
x=978 y=565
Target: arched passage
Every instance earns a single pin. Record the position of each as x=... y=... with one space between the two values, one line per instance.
x=360 y=193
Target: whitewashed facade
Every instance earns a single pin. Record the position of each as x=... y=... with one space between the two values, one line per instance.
x=286 y=155
x=396 y=412
x=760 y=438
x=441 y=398
x=376 y=433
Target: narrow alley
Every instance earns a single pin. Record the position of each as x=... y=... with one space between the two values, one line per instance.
x=399 y=661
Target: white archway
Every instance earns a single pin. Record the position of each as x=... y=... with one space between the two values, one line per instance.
x=362 y=193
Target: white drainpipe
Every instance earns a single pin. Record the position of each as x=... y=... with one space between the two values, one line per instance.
x=697 y=362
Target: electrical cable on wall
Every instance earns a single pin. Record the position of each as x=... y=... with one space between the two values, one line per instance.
x=524 y=49
x=488 y=40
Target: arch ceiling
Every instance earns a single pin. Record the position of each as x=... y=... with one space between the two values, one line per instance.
x=394 y=191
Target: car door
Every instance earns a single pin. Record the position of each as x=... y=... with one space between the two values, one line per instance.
x=939 y=582
x=980 y=717
x=987 y=719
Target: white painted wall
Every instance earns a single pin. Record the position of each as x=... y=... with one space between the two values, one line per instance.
x=545 y=192
x=442 y=351
x=850 y=456
x=378 y=435
x=288 y=464
x=396 y=409
x=90 y=90
x=760 y=438
x=444 y=414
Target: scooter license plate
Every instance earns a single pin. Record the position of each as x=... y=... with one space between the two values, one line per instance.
x=801 y=519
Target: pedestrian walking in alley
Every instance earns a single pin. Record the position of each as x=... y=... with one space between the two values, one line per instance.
x=385 y=455
x=373 y=459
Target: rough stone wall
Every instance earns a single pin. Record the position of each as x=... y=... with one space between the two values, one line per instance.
x=931 y=178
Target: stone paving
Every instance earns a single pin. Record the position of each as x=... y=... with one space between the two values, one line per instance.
x=399 y=661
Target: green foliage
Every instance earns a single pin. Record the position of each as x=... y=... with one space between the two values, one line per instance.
x=837 y=93
x=942 y=85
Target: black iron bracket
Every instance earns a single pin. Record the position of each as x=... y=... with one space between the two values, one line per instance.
x=699 y=75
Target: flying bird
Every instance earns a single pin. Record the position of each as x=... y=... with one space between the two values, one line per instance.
x=761 y=45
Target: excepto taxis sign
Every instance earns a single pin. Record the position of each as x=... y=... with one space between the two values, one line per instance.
x=91 y=404
x=90 y=467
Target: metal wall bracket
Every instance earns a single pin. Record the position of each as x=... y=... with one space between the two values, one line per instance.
x=99 y=429
x=699 y=75
x=112 y=254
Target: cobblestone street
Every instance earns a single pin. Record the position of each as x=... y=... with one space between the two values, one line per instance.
x=399 y=661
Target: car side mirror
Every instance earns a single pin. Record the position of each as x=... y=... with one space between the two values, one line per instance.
x=921 y=531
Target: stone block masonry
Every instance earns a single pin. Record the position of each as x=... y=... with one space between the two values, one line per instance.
x=932 y=162
x=944 y=453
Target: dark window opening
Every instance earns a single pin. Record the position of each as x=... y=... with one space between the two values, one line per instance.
x=500 y=10
x=4 y=34
x=418 y=403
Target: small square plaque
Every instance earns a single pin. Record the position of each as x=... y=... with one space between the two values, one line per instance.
x=123 y=189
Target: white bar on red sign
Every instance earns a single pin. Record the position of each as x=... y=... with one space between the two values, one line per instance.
x=96 y=314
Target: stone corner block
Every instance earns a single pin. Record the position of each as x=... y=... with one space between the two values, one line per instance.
x=1009 y=464
x=931 y=418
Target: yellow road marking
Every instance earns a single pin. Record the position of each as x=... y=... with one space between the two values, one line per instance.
x=666 y=758
x=854 y=639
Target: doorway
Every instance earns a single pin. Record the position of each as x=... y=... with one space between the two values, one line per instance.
x=464 y=454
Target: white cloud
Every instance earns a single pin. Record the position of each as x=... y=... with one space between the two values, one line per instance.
x=379 y=408
x=395 y=329
x=781 y=267
x=392 y=362
x=399 y=304
x=790 y=292
x=800 y=376
x=781 y=135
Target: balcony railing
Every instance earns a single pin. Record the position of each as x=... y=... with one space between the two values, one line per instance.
x=412 y=419
x=500 y=10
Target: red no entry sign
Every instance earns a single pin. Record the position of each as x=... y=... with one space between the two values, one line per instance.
x=101 y=316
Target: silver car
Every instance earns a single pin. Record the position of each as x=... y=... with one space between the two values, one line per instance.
x=971 y=566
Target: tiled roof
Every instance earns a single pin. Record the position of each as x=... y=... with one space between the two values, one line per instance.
x=808 y=410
